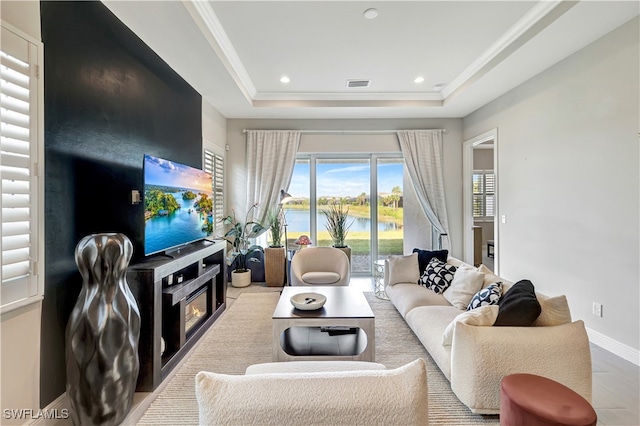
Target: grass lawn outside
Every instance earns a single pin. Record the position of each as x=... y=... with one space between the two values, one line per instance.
x=390 y=242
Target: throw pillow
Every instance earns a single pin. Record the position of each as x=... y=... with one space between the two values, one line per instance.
x=466 y=282
x=519 y=306
x=554 y=311
x=424 y=256
x=437 y=276
x=487 y=296
x=484 y=316
x=404 y=269
x=489 y=276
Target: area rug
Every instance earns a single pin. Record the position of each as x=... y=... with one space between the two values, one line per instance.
x=242 y=336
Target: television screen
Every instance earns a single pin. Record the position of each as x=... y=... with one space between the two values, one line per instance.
x=178 y=201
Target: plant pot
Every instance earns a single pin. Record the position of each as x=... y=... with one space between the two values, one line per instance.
x=274 y=266
x=241 y=279
x=347 y=251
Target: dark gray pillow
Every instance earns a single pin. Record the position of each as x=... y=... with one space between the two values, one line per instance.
x=424 y=256
x=519 y=306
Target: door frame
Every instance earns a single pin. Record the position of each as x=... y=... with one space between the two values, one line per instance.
x=467 y=196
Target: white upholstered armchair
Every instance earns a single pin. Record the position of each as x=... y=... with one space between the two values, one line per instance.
x=320 y=266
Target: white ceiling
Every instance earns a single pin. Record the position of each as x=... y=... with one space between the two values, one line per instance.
x=234 y=52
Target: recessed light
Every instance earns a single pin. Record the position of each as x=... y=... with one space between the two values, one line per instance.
x=438 y=87
x=371 y=13
x=284 y=79
x=419 y=79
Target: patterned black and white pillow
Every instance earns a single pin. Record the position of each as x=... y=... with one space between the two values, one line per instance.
x=487 y=296
x=437 y=276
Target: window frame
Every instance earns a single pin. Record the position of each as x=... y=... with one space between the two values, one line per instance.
x=35 y=281
x=373 y=159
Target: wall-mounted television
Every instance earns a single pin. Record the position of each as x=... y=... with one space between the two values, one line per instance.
x=178 y=205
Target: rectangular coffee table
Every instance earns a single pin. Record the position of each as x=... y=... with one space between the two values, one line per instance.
x=343 y=329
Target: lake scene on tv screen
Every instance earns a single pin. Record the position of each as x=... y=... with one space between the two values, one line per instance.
x=178 y=204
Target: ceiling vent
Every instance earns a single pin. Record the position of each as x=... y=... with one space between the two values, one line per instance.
x=358 y=83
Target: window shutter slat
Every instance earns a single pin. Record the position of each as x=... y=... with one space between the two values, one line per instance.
x=15 y=146
x=14 y=270
x=15 y=215
x=15 y=242
x=15 y=201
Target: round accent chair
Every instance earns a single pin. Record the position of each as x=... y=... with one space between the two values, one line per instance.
x=320 y=266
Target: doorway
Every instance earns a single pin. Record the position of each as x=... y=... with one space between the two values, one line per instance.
x=480 y=200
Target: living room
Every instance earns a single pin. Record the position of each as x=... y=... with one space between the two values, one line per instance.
x=566 y=144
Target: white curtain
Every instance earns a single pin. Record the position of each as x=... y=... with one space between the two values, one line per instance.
x=422 y=151
x=271 y=156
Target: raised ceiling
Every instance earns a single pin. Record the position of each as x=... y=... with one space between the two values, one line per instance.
x=234 y=53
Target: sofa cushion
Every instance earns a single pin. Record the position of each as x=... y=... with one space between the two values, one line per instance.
x=403 y=269
x=483 y=316
x=487 y=296
x=553 y=310
x=489 y=276
x=424 y=256
x=405 y=297
x=467 y=281
x=428 y=324
x=518 y=306
x=437 y=276
x=397 y=396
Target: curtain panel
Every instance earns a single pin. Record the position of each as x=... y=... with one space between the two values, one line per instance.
x=422 y=152
x=271 y=157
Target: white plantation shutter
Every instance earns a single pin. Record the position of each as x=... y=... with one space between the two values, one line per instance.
x=214 y=164
x=484 y=187
x=18 y=170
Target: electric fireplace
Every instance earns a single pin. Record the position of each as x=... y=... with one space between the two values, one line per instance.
x=195 y=310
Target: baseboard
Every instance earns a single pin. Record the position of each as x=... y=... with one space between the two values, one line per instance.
x=623 y=351
x=58 y=410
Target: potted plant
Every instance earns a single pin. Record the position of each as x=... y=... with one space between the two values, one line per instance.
x=274 y=255
x=238 y=236
x=338 y=227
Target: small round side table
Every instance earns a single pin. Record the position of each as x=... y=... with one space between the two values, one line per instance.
x=378 y=280
x=528 y=399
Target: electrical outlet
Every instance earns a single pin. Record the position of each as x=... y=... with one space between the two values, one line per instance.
x=597 y=309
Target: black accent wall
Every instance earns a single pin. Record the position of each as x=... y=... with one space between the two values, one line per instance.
x=109 y=99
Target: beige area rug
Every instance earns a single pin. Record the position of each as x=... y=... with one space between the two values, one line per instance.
x=242 y=336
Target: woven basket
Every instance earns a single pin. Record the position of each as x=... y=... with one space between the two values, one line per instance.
x=274 y=268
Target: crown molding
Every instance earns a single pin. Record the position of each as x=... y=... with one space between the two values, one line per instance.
x=543 y=13
x=211 y=27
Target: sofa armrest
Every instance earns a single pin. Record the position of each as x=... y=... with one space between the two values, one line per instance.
x=482 y=356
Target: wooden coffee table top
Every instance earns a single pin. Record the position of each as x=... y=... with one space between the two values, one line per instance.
x=342 y=302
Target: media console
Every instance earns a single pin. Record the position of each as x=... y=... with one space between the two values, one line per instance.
x=179 y=297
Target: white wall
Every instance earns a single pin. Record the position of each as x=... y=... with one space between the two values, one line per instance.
x=417 y=232
x=20 y=329
x=568 y=174
x=214 y=129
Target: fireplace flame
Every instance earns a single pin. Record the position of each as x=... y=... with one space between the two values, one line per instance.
x=195 y=311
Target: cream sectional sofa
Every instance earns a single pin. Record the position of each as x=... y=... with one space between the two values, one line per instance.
x=480 y=356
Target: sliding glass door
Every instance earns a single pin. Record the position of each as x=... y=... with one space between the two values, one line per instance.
x=375 y=228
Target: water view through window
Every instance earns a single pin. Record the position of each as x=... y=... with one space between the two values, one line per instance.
x=375 y=232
